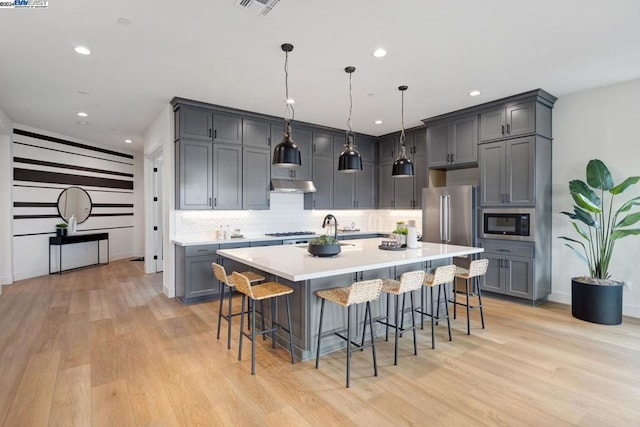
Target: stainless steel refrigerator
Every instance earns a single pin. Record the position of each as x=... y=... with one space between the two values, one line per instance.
x=449 y=215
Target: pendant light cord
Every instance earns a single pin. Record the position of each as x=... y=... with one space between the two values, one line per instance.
x=402 y=136
x=288 y=107
x=350 y=105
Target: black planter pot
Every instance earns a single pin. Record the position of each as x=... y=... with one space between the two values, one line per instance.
x=324 y=250
x=596 y=303
x=61 y=232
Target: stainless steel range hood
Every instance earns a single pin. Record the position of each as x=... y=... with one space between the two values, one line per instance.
x=290 y=186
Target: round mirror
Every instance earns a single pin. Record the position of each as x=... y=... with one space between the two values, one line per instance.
x=74 y=201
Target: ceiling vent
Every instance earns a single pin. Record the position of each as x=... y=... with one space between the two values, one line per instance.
x=258 y=7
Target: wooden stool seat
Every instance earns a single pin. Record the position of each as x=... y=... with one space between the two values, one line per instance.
x=358 y=293
x=477 y=269
x=409 y=282
x=227 y=282
x=269 y=290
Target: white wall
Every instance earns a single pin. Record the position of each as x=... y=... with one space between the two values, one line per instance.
x=45 y=164
x=6 y=223
x=603 y=123
x=137 y=249
x=158 y=141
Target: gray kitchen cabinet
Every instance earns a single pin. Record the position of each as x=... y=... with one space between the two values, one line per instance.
x=416 y=142
x=322 y=144
x=510 y=121
x=194 y=123
x=507 y=171
x=387 y=148
x=203 y=124
x=227 y=176
x=365 y=145
x=323 y=198
x=194 y=277
x=256 y=178
x=403 y=192
x=513 y=271
x=195 y=174
x=354 y=190
x=420 y=180
x=453 y=142
x=256 y=133
x=227 y=129
x=304 y=140
x=386 y=196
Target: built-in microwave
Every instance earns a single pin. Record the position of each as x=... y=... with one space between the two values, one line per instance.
x=505 y=223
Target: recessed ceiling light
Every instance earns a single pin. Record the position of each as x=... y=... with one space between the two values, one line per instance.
x=128 y=141
x=82 y=92
x=371 y=95
x=474 y=93
x=124 y=21
x=378 y=122
x=379 y=53
x=291 y=101
x=82 y=50
x=82 y=114
x=82 y=122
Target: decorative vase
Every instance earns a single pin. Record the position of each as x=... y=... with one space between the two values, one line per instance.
x=594 y=303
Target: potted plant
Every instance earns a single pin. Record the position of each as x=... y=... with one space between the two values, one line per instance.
x=323 y=246
x=597 y=298
x=61 y=229
x=401 y=230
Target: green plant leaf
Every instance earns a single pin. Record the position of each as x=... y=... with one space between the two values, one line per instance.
x=625 y=184
x=629 y=204
x=598 y=175
x=619 y=234
x=578 y=253
x=629 y=220
x=585 y=217
x=570 y=214
x=584 y=196
x=581 y=231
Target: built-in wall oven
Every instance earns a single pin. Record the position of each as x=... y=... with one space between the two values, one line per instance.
x=506 y=223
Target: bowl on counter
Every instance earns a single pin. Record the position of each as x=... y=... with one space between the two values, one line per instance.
x=326 y=250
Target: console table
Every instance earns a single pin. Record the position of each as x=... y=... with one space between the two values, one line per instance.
x=77 y=238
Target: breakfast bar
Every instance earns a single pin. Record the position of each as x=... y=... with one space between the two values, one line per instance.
x=359 y=260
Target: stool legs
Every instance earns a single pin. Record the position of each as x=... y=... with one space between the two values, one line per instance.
x=434 y=315
x=348 y=345
x=480 y=299
x=289 y=326
x=373 y=342
x=319 y=333
x=466 y=290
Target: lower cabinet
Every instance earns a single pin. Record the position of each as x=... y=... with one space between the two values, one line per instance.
x=194 y=276
x=511 y=269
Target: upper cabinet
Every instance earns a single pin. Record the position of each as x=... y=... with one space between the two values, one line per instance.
x=303 y=137
x=453 y=142
x=511 y=121
x=202 y=124
x=256 y=133
x=322 y=144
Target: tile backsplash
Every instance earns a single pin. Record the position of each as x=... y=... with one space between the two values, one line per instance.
x=287 y=213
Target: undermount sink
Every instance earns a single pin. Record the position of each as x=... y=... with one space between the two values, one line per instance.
x=346 y=244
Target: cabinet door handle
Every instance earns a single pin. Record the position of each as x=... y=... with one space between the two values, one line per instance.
x=215 y=201
x=504 y=250
x=209 y=201
x=209 y=132
x=451 y=157
x=215 y=133
x=502 y=131
x=508 y=129
x=314 y=148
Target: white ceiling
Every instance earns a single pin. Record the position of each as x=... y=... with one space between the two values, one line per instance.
x=214 y=51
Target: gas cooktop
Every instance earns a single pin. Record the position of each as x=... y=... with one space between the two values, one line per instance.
x=290 y=233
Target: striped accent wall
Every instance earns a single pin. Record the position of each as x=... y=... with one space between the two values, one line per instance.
x=43 y=166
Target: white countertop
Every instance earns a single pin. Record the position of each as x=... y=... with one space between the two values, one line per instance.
x=294 y=263
x=209 y=240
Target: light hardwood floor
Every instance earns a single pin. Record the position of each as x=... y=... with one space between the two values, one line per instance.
x=104 y=347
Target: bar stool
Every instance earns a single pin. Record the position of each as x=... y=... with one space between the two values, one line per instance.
x=227 y=282
x=409 y=282
x=440 y=278
x=264 y=291
x=358 y=293
x=477 y=269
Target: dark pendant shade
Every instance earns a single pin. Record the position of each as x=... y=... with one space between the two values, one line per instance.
x=350 y=161
x=287 y=154
x=402 y=168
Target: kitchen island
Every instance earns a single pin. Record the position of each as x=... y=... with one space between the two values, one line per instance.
x=359 y=260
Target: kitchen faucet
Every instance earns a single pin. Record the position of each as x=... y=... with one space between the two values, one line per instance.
x=327 y=221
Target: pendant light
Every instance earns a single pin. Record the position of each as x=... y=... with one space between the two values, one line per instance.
x=287 y=154
x=350 y=160
x=402 y=167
